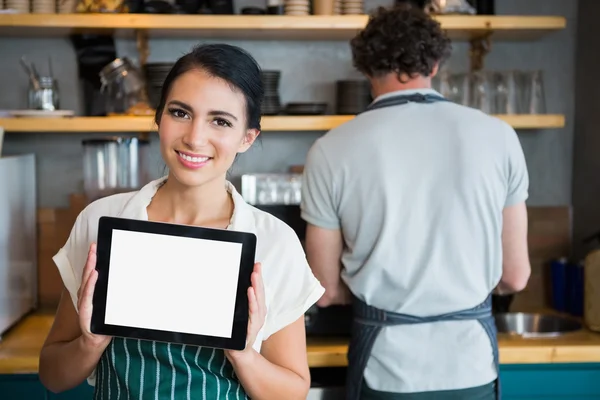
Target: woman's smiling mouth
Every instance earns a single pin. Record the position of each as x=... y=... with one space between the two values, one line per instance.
x=193 y=161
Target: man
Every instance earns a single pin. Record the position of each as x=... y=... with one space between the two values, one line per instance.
x=416 y=205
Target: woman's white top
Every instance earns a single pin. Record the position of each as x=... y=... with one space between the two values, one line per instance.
x=290 y=286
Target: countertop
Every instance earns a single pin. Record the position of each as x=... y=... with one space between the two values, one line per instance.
x=20 y=348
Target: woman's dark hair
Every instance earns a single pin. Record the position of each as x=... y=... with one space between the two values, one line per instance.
x=230 y=63
x=403 y=39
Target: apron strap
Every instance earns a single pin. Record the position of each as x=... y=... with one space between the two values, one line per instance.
x=369 y=321
x=404 y=99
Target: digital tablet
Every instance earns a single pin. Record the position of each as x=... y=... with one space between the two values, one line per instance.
x=172 y=283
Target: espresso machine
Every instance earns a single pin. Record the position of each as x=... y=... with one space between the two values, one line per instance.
x=280 y=195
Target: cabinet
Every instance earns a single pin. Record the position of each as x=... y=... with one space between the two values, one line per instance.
x=17 y=387
x=564 y=381
x=29 y=387
x=519 y=382
x=550 y=381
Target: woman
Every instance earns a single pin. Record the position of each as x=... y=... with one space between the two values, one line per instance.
x=208 y=113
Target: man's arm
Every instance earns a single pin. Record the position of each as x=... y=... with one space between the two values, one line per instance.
x=324 y=252
x=516 y=268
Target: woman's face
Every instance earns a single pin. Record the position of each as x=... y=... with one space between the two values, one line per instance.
x=202 y=128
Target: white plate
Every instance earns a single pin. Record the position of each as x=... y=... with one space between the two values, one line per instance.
x=41 y=113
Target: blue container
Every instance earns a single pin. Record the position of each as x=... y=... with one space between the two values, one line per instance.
x=575 y=289
x=558 y=272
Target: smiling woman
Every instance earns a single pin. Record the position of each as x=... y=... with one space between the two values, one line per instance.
x=208 y=113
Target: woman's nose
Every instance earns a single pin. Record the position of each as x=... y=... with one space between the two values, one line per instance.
x=197 y=136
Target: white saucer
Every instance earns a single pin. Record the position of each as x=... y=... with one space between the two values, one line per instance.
x=41 y=113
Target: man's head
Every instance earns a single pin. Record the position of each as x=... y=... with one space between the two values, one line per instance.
x=400 y=44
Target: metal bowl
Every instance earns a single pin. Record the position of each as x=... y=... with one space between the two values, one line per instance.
x=535 y=325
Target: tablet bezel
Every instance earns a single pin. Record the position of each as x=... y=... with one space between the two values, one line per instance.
x=237 y=341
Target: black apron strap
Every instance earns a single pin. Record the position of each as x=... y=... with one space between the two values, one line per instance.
x=404 y=99
x=368 y=322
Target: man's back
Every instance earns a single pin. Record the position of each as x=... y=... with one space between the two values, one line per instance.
x=418 y=192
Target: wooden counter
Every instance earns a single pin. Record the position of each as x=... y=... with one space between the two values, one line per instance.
x=578 y=347
x=20 y=348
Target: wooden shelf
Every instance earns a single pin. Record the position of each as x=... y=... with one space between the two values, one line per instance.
x=539 y=121
x=277 y=123
x=314 y=27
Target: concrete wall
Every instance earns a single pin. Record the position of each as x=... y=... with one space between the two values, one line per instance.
x=309 y=72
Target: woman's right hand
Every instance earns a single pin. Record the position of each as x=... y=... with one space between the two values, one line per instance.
x=85 y=294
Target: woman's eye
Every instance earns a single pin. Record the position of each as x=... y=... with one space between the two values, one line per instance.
x=223 y=122
x=178 y=113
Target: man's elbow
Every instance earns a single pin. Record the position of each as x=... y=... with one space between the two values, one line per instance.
x=517 y=280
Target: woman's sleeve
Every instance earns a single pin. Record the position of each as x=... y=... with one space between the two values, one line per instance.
x=70 y=259
x=293 y=287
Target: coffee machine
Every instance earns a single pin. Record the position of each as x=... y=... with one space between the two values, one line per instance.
x=279 y=195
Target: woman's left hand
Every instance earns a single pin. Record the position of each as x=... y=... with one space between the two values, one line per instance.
x=257 y=312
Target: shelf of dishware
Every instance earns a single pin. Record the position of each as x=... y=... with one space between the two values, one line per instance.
x=315 y=27
x=269 y=123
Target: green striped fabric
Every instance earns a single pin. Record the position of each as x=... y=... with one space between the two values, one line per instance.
x=132 y=369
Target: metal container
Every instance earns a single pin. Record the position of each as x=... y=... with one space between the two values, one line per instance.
x=536 y=325
x=114 y=165
x=45 y=95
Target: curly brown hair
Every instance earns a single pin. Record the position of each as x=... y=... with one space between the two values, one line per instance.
x=403 y=39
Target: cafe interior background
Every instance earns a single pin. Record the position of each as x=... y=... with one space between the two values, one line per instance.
x=532 y=62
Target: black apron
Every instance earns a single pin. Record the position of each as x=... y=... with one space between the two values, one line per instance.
x=368 y=321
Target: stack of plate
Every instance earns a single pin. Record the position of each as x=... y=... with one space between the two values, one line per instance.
x=20 y=6
x=352 y=7
x=353 y=97
x=306 y=108
x=156 y=73
x=297 y=7
x=66 y=6
x=271 y=104
x=43 y=6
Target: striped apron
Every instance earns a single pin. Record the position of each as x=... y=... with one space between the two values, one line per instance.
x=369 y=321
x=132 y=369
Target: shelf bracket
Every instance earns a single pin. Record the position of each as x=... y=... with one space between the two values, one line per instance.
x=141 y=36
x=479 y=48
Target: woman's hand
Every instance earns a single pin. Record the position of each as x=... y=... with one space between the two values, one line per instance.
x=85 y=294
x=257 y=308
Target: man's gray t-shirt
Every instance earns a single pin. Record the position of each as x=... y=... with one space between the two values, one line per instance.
x=418 y=192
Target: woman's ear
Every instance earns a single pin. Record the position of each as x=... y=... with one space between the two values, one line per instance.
x=248 y=139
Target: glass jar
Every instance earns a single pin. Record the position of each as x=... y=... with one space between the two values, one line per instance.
x=123 y=88
x=44 y=95
x=114 y=165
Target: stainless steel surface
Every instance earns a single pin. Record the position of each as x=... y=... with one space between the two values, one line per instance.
x=535 y=325
x=18 y=254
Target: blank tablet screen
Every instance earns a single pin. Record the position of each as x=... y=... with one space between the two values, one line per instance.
x=172 y=283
